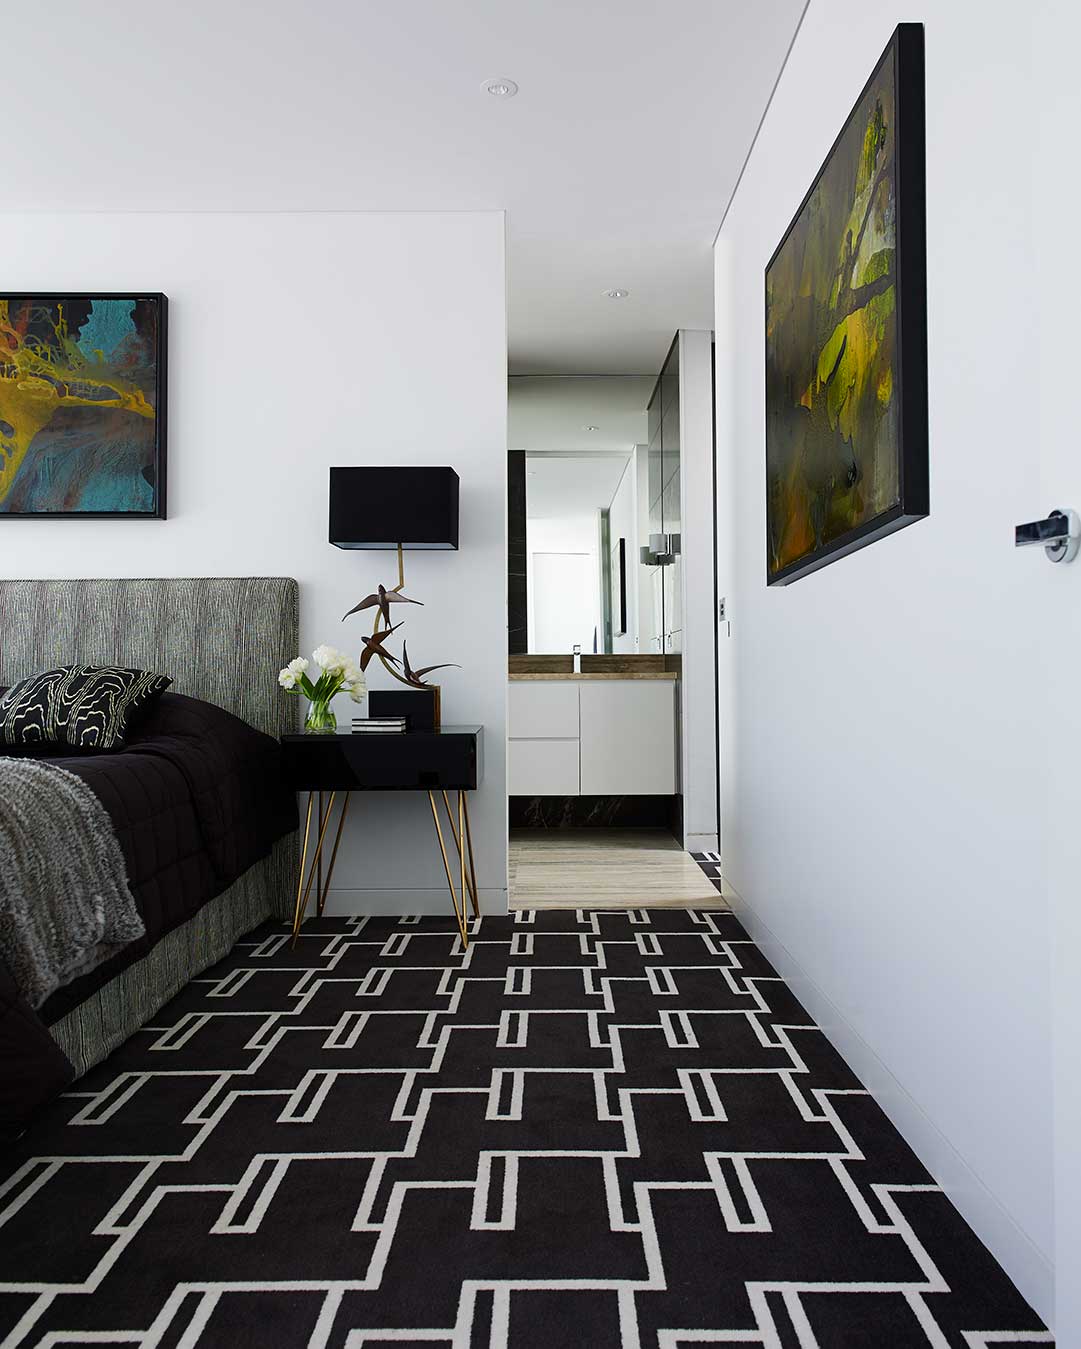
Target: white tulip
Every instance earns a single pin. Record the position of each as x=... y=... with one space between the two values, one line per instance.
x=358 y=693
x=287 y=679
x=298 y=665
x=327 y=658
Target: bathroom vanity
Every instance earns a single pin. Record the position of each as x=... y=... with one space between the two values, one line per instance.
x=599 y=733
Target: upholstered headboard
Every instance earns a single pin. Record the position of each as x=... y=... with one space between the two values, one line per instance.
x=223 y=639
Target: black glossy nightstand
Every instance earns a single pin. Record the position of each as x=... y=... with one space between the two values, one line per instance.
x=436 y=762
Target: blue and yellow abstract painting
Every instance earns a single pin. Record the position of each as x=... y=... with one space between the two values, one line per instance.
x=82 y=415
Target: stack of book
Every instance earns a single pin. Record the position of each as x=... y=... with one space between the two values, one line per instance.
x=378 y=725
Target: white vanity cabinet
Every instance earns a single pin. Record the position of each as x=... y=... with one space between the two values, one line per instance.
x=592 y=737
x=543 y=709
x=628 y=737
x=542 y=753
x=543 y=768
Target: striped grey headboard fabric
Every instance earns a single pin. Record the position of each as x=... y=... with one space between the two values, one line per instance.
x=222 y=639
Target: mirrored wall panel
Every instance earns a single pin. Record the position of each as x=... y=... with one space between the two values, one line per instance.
x=594 y=516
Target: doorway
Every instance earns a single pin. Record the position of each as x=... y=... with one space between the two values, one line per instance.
x=598 y=677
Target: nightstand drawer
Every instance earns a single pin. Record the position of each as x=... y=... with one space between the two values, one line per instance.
x=447 y=760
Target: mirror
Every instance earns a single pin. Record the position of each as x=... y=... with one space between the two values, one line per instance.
x=569 y=504
x=594 y=513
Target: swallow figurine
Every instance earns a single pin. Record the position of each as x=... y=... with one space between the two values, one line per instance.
x=383 y=598
x=414 y=676
x=373 y=646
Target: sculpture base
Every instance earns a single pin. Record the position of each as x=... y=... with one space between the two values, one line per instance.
x=420 y=707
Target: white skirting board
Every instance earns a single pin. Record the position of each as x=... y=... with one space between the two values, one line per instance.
x=394 y=903
x=1030 y=1269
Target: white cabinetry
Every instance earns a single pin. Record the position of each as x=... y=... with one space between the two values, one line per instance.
x=628 y=741
x=545 y=710
x=605 y=737
x=542 y=749
x=542 y=768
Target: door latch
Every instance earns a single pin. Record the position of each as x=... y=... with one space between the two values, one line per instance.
x=1060 y=535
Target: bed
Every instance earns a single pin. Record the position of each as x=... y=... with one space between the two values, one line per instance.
x=205 y=822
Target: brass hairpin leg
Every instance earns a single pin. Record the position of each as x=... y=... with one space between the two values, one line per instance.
x=319 y=851
x=304 y=888
x=459 y=910
x=333 y=854
x=460 y=835
x=303 y=859
x=472 y=865
x=461 y=855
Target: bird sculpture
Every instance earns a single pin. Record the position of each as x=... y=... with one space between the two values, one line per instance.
x=373 y=646
x=383 y=599
x=414 y=676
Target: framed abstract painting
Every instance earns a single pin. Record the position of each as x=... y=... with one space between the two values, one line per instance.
x=82 y=406
x=846 y=335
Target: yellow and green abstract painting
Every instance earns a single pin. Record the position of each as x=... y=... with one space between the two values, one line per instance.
x=832 y=413
x=80 y=392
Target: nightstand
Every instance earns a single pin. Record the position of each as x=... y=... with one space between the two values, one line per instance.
x=330 y=768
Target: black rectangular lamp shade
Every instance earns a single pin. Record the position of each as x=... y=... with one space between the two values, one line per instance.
x=386 y=507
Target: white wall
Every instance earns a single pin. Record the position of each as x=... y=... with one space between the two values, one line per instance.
x=880 y=824
x=296 y=342
x=1055 y=603
x=694 y=573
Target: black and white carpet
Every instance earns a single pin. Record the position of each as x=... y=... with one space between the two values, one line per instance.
x=592 y=1129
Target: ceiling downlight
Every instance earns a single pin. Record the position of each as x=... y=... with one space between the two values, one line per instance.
x=500 y=88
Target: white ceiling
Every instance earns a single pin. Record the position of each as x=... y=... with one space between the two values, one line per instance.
x=614 y=162
x=546 y=413
x=560 y=487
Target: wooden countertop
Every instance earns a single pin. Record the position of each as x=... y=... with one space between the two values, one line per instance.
x=616 y=674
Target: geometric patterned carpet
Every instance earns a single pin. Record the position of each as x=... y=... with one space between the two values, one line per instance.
x=591 y=1129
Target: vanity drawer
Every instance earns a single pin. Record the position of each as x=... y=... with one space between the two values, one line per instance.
x=545 y=710
x=542 y=768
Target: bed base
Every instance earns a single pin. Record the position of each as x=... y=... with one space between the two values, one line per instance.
x=90 y=1032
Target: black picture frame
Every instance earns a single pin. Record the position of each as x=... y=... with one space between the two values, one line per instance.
x=619 y=583
x=905 y=50
x=161 y=351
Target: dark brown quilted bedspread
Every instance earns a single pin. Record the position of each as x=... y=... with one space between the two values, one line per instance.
x=196 y=796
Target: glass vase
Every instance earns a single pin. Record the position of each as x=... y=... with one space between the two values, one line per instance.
x=320 y=720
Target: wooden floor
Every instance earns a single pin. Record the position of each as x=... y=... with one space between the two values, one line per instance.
x=605 y=869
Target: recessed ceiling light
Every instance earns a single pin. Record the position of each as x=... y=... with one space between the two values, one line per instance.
x=500 y=88
x=615 y=293
x=591 y=428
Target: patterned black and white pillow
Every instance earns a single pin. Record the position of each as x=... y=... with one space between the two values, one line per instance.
x=80 y=706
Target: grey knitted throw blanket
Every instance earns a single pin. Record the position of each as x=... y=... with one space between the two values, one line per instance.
x=65 y=905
